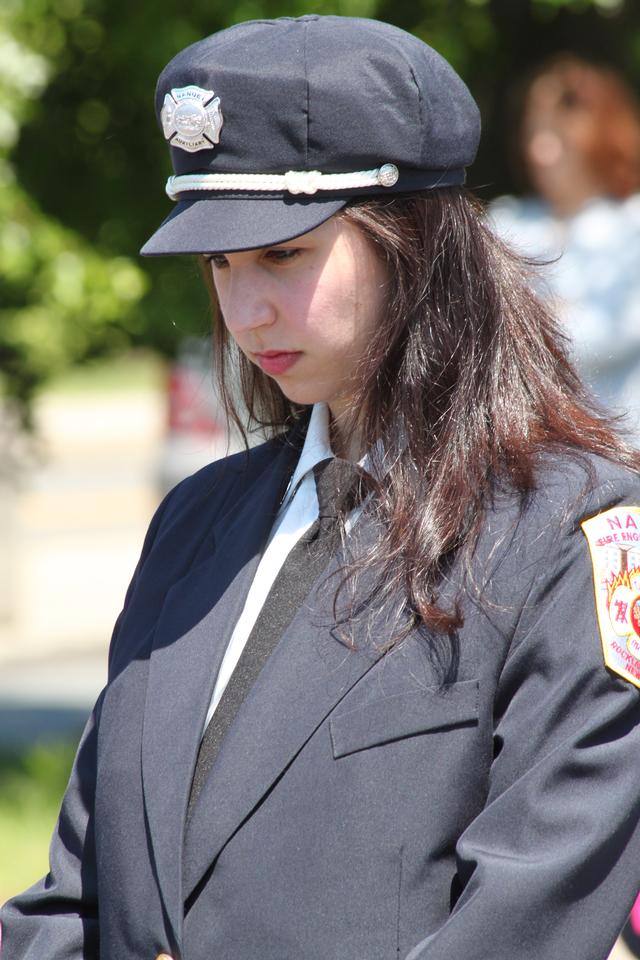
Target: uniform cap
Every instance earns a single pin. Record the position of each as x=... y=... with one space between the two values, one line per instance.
x=274 y=125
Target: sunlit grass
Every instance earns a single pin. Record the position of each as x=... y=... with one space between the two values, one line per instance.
x=31 y=787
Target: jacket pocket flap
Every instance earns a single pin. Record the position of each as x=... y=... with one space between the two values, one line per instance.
x=404 y=715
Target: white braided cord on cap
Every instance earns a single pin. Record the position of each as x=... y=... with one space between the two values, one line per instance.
x=293 y=181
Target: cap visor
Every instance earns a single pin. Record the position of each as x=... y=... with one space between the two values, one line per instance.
x=225 y=224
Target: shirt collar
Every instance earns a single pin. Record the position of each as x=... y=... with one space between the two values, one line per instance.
x=316 y=448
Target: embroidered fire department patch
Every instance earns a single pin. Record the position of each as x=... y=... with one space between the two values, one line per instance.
x=614 y=543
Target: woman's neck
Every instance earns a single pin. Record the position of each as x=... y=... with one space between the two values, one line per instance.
x=346 y=439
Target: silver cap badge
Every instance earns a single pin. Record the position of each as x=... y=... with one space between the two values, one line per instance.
x=191 y=118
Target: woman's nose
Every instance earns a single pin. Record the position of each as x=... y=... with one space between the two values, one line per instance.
x=246 y=304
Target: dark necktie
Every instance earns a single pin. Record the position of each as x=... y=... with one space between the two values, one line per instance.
x=339 y=485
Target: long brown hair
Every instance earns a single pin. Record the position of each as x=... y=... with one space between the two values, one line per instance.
x=466 y=381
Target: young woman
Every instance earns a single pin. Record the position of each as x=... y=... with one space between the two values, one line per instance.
x=399 y=719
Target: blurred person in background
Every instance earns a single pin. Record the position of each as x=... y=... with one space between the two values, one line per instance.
x=579 y=144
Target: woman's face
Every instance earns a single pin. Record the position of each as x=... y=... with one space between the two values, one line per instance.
x=560 y=131
x=304 y=311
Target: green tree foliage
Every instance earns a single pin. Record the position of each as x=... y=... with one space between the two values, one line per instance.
x=83 y=165
x=61 y=298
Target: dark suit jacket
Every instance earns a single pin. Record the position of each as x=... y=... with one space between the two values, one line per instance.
x=359 y=809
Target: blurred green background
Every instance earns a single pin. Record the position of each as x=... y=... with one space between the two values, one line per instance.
x=82 y=173
x=31 y=785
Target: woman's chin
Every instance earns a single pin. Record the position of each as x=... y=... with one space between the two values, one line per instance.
x=301 y=393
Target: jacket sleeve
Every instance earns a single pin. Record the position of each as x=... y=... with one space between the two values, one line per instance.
x=549 y=868
x=57 y=918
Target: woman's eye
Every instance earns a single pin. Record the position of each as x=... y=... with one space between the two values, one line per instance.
x=282 y=254
x=218 y=260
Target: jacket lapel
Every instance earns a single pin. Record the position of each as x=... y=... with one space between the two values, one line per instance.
x=191 y=635
x=308 y=673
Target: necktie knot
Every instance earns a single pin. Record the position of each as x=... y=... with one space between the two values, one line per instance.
x=339 y=486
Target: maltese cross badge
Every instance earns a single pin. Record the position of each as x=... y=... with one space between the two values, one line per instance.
x=191 y=118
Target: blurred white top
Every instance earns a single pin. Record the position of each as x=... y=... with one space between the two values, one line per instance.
x=593 y=286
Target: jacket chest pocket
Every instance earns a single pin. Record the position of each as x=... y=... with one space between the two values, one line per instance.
x=386 y=719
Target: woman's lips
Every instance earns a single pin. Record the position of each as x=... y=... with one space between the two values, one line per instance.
x=275 y=362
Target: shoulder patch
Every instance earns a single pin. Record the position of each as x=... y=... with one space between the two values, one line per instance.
x=614 y=544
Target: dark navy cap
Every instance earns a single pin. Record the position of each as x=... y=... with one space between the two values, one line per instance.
x=274 y=125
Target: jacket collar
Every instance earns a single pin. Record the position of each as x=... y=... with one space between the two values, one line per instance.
x=190 y=638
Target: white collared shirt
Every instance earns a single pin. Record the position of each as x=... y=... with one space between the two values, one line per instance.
x=298 y=512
